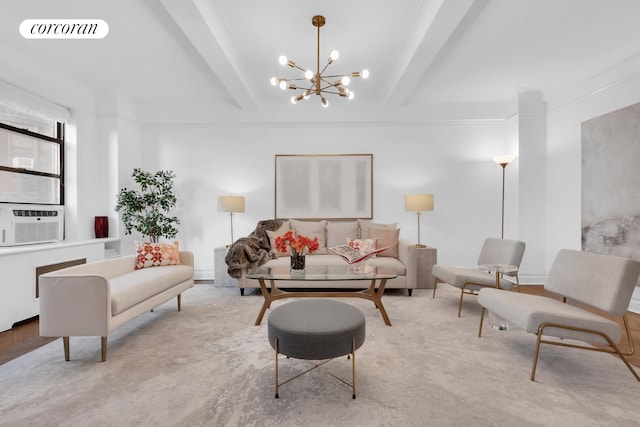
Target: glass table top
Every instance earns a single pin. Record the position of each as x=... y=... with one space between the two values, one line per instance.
x=322 y=273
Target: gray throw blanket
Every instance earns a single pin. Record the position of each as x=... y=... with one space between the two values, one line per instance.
x=253 y=250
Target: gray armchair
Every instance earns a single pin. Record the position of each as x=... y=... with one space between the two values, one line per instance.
x=604 y=282
x=471 y=279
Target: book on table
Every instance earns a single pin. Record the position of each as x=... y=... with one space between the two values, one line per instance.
x=352 y=255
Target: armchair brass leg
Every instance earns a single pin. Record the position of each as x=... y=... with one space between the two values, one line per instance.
x=481 y=321
x=613 y=348
x=461 y=296
x=65 y=342
x=435 y=286
x=103 y=347
x=535 y=356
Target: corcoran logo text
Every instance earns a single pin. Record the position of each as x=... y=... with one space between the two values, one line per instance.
x=64 y=28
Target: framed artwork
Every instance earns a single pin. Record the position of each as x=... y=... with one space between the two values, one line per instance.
x=324 y=186
x=610 y=182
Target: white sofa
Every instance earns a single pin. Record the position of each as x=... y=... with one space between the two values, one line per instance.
x=96 y=298
x=413 y=268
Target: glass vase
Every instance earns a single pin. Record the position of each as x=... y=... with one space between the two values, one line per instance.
x=297 y=262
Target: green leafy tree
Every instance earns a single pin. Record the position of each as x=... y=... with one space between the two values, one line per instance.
x=148 y=210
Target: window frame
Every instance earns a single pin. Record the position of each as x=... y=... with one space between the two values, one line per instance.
x=58 y=139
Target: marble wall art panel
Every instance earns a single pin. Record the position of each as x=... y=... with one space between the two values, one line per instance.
x=611 y=183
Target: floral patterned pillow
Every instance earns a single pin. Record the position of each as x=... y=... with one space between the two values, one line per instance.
x=363 y=245
x=156 y=254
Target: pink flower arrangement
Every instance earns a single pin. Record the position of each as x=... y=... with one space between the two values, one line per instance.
x=297 y=244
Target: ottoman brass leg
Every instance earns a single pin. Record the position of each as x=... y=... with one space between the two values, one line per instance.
x=353 y=366
x=276 y=346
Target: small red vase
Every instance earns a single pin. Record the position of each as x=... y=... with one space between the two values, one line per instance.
x=101 y=227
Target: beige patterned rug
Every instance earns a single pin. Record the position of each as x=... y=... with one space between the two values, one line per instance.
x=209 y=366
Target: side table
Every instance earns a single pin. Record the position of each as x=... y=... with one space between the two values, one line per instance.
x=426 y=258
x=221 y=277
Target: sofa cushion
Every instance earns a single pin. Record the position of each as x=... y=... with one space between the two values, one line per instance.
x=272 y=239
x=386 y=237
x=157 y=254
x=134 y=287
x=388 y=262
x=366 y=225
x=338 y=231
x=312 y=229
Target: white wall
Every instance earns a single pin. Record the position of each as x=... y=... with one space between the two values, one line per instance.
x=453 y=161
x=616 y=88
x=87 y=194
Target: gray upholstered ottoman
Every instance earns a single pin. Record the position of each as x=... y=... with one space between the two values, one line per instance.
x=316 y=329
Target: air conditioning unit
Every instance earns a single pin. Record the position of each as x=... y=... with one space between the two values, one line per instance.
x=24 y=224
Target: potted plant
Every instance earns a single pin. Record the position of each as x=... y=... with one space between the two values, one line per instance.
x=148 y=210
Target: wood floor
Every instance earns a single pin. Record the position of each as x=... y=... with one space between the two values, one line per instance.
x=24 y=338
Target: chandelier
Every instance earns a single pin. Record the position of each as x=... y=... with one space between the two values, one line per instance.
x=318 y=83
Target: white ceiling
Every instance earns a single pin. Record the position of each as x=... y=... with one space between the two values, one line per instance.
x=218 y=55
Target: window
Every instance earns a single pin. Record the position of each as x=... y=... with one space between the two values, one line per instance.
x=31 y=166
x=31 y=148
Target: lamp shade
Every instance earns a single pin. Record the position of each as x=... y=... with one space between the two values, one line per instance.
x=231 y=204
x=418 y=202
x=504 y=159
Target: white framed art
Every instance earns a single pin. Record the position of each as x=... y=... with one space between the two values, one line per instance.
x=324 y=186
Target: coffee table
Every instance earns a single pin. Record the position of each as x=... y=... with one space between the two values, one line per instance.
x=377 y=277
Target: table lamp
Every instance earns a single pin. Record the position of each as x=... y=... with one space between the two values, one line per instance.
x=231 y=204
x=418 y=203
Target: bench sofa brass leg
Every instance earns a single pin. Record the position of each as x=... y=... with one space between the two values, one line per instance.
x=179 y=302
x=65 y=342
x=103 y=346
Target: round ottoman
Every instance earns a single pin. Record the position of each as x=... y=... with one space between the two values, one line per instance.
x=316 y=329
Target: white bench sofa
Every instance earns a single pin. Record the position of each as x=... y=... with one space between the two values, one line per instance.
x=96 y=298
x=413 y=270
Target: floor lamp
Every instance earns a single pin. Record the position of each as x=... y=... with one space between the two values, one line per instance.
x=504 y=162
x=418 y=203
x=231 y=204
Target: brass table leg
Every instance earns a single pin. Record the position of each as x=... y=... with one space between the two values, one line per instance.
x=372 y=294
x=376 y=297
x=267 y=300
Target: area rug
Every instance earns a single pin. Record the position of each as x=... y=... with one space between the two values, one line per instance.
x=208 y=365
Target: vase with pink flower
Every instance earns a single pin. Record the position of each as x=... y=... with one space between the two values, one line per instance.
x=298 y=246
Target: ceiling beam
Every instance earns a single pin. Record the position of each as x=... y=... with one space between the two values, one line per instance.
x=204 y=28
x=429 y=33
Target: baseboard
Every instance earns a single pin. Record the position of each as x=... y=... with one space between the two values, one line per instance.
x=203 y=275
x=532 y=279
